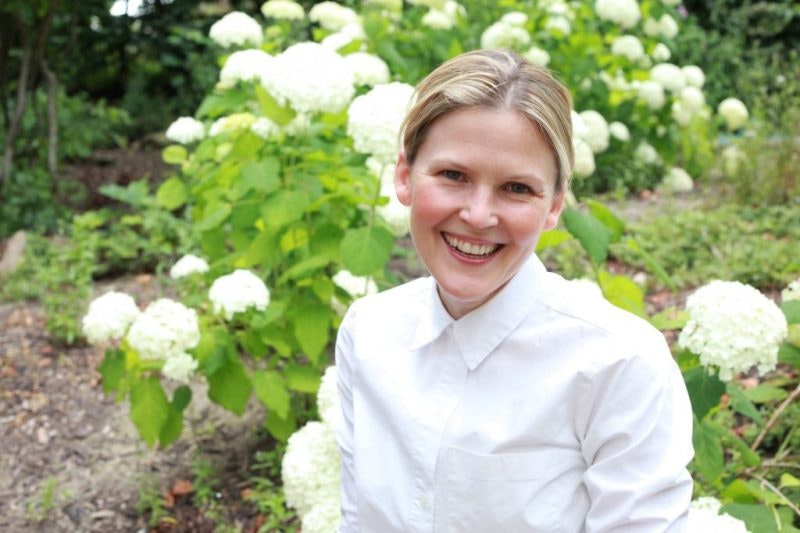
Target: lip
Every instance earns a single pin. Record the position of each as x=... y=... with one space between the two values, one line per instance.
x=470 y=259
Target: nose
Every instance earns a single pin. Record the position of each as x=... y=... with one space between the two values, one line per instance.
x=479 y=209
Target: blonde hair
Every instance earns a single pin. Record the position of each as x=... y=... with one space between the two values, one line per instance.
x=495 y=79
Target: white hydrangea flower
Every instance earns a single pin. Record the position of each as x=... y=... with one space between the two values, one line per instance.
x=180 y=367
x=328 y=406
x=579 y=128
x=661 y=53
x=619 y=131
x=374 y=119
x=232 y=124
x=311 y=77
x=537 y=56
x=615 y=83
x=265 y=128
x=704 y=517
x=391 y=5
x=597 y=134
x=437 y=20
x=236 y=29
x=109 y=317
x=367 y=69
x=311 y=468
x=298 y=125
x=166 y=328
x=337 y=40
x=734 y=112
x=628 y=46
x=681 y=114
x=669 y=76
x=323 y=518
x=283 y=9
x=238 y=291
x=503 y=35
x=653 y=94
x=332 y=16
x=558 y=24
x=645 y=153
x=584 y=159
x=667 y=26
x=677 y=180
x=395 y=214
x=692 y=98
x=186 y=130
x=626 y=13
x=514 y=18
x=694 y=76
x=245 y=65
x=355 y=286
x=791 y=292
x=734 y=327
x=187 y=265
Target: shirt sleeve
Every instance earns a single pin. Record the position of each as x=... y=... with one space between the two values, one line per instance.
x=637 y=443
x=344 y=431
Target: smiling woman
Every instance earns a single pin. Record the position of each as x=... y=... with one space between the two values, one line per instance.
x=494 y=395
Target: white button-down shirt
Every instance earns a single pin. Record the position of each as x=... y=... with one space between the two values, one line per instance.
x=545 y=409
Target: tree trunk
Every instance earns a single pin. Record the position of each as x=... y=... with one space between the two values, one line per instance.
x=52 y=120
x=19 y=109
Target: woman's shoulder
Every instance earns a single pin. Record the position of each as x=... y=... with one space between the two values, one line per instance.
x=393 y=302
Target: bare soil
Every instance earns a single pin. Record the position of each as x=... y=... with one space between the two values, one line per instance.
x=70 y=458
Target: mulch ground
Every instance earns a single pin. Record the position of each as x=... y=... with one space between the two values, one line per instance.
x=70 y=457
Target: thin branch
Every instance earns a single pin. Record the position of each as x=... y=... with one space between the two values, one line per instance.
x=774 y=418
x=19 y=108
x=777 y=491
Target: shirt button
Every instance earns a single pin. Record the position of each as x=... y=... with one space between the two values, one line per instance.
x=423 y=502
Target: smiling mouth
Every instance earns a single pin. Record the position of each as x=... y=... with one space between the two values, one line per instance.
x=469 y=249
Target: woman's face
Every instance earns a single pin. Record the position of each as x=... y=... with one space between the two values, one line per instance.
x=481 y=191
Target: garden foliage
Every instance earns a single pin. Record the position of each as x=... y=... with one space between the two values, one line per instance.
x=284 y=172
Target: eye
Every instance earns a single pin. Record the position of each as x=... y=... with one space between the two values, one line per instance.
x=454 y=175
x=518 y=188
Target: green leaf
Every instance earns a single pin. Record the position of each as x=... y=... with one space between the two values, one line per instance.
x=284 y=207
x=263 y=250
x=708 y=458
x=652 y=264
x=112 y=369
x=758 y=518
x=225 y=103
x=590 y=232
x=552 y=238
x=174 y=154
x=602 y=213
x=789 y=354
x=229 y=386
x=172 y=194
x=281 y=428
x=742 y=404
x=749 y=457
x=271 y=390
x=670 y=318
x=261 y=176
x=214 y=215
x=705 y=391
x=765 y=393
x=304 y=269
x=366 y=250
x=792 y=311
x=251 y=341
x=271 y=109
x=149 y=409
x=181 y=398
x=622 y=292
x=788 y=480
x=172 y=428
x=311 y=323
x=303 y=378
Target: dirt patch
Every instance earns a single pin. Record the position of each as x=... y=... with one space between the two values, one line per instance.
x=70 y=457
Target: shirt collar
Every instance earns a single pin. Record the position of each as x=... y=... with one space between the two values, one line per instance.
x=479 y=332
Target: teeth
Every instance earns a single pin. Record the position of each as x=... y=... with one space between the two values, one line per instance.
x=469 y=248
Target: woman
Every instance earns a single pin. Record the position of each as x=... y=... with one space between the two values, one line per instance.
x=495 y=396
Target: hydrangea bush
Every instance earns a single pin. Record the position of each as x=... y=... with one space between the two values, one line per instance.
x=286 y=173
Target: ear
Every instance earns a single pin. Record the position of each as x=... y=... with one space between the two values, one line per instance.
x=555 y=211
x=402 y=179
